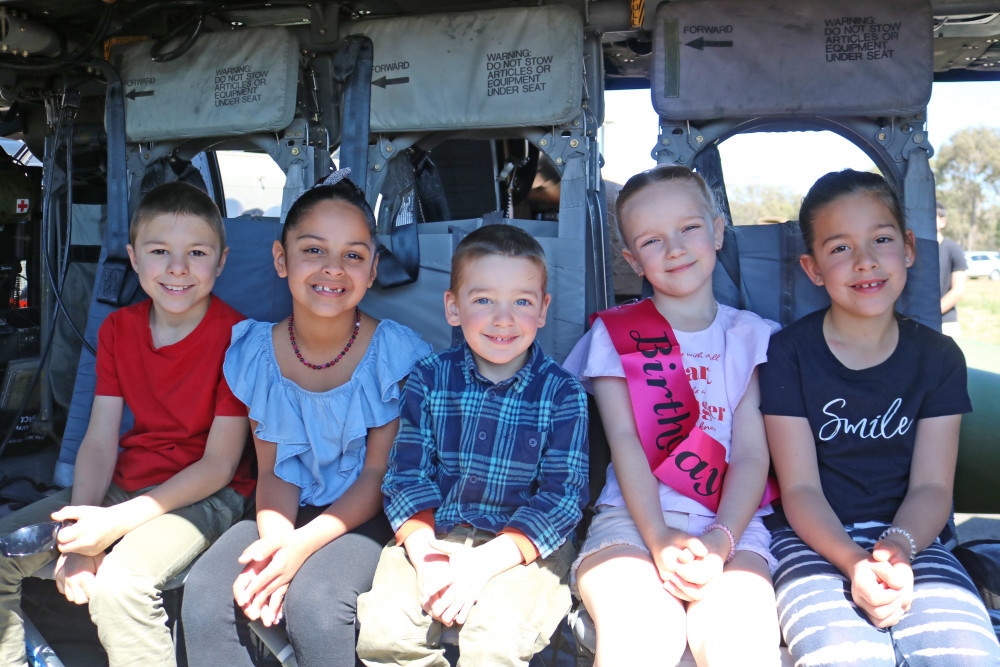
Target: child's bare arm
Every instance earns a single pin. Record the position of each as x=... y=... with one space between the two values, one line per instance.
x=272 y=561
x=746 y=476
x=277 y=500
x=793 y=451
x=927 y=504
x=97 y=528
x=277 y=507
x=639 y=487
x=362 y=500
x=742 y=489
x=95 y=461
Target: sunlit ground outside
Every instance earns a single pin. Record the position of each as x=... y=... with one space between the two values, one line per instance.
x=979 y=310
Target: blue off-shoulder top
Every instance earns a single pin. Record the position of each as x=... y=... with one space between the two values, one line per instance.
x=320 y=436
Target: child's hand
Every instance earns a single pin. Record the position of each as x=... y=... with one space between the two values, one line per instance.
x=892 y=566
x=75 y=576
x=690 y=580
x=271 y=563
x=470 y=570
x=93 y=529
x=432 y=567
x=675 y=550
x=273 y=609
x=872 y=592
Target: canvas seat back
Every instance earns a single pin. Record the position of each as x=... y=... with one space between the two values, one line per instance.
x=859 y=70
x=526 y=74
x=150 y=142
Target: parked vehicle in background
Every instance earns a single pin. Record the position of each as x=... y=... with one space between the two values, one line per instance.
x=982 y=263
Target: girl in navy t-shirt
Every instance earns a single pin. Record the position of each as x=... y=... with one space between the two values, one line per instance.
x=862 y=409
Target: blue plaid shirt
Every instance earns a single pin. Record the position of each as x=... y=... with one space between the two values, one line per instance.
x=506 y=455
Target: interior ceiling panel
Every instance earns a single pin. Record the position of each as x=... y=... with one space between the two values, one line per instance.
x=966 y=32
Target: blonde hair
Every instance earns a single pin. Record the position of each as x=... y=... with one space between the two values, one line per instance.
x=662 y=174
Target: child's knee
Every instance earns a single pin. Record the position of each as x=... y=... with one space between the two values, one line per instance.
x=389 y=623
x=117 y=594
x=502 y=641
x=303 y=598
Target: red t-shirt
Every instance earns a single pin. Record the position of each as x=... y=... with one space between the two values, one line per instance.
x=174 y=392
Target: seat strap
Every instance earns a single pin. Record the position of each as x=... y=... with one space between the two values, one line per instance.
x=399 y=264
x=116 y=284
x=352 y=68
x=708 y=163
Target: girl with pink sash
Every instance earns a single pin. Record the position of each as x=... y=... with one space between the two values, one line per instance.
x=677 y=554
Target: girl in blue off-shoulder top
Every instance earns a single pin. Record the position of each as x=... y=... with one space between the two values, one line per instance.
x=322 y=388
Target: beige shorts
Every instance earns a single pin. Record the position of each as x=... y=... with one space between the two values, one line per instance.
x=613 y=526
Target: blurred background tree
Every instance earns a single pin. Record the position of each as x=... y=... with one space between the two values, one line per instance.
x=756 y=204
x=967 y=172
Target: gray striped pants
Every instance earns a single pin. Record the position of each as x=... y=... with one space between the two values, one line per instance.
x=947 y=623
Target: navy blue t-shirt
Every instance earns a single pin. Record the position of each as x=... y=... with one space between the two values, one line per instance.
x=863 y=421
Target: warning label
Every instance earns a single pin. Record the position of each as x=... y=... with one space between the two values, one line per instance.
x=238 y=85
x=516 y=72
x=859 y=38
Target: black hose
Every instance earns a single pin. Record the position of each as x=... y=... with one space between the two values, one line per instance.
x=155 y=51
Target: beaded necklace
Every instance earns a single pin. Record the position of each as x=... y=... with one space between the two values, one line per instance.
x=319 y=367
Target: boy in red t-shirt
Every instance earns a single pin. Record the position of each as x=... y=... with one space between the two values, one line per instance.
x=171 y=485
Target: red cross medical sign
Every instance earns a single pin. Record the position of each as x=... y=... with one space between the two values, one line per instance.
x=22 y=205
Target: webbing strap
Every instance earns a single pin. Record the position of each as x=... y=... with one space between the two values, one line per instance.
x=113 y=284
x=788 y=269
x=921 y=298
x=708 y=163
x=573 y=199
x=433 y=201
x=400 y=264
x=352 y=67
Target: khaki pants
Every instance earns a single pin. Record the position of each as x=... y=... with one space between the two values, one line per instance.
x=126 y=606
x=516 y=614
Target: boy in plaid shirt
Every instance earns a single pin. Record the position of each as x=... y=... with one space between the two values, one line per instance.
x=487 y=477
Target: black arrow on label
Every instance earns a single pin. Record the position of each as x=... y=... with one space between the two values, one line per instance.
x=383 y=81
x=701 y=43
x=132 y=94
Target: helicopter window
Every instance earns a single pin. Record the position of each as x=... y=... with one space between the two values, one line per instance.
x=252 y=184
x=20 y=152
x=767 y=173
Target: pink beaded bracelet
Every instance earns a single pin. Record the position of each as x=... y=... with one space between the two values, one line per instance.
x=724 y=528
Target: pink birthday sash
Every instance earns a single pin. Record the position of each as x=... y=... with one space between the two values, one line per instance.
x=679 y=452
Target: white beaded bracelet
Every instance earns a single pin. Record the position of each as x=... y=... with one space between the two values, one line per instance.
x=905 y=533
x=725 y=529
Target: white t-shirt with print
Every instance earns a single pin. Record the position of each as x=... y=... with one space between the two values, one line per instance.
x=719 y=362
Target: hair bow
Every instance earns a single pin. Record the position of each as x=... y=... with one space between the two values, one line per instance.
x=337 y=176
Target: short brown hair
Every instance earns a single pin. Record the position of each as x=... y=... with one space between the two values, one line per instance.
x=503 y=240
x=177 y=198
